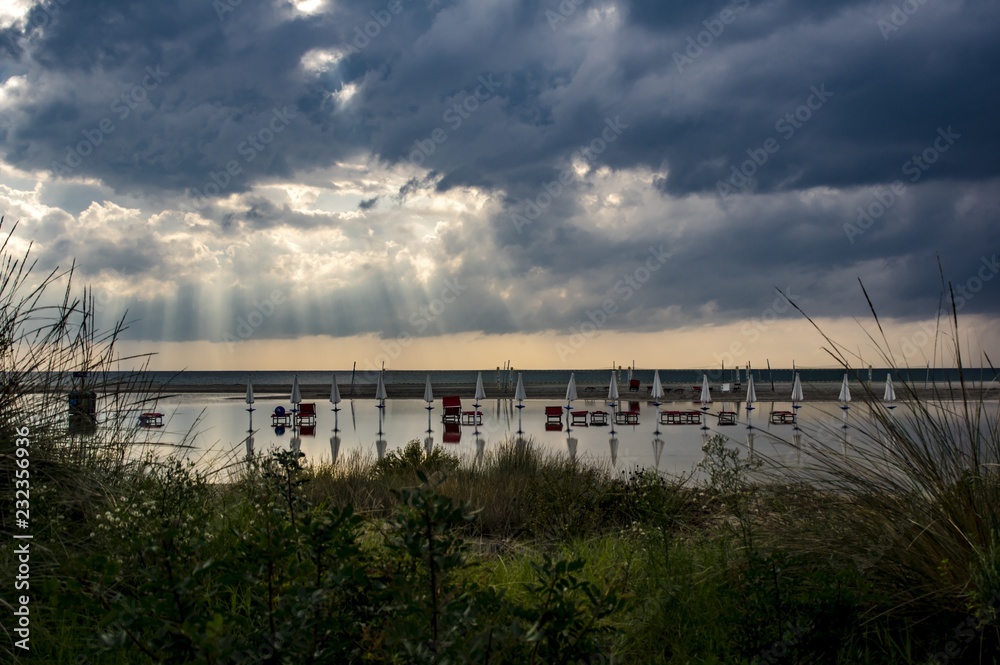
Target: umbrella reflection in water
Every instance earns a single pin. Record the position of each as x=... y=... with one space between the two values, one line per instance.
x=480 y=448
x=334 y=447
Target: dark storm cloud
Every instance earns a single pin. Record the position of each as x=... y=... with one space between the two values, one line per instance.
x=793 y=120
x=223 y=80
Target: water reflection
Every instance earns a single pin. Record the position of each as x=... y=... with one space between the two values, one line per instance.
x=225 y=426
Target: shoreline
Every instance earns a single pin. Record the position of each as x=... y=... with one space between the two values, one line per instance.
x=816 y=392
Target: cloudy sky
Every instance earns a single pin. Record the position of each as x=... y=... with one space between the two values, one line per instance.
x=456 y=183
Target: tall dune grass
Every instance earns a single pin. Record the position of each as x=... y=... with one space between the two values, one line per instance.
x=517 y=490
x=915 y=502
x=48 y=332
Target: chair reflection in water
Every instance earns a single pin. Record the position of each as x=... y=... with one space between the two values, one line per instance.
x=727 y=417
x=680 y=417
x=783 y=418
x=452 y=433
x=598 y=417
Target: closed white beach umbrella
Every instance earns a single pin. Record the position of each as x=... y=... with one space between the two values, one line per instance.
x=571 y=388
x=751 y=398
x=520 y=396
x=796 y=398
x=657 y=391
x=570 y=396
x=480 y=395
x=380 y=389
x=519 y=393
x=428 y=392
x=706 y=399
x=429 y=398
x=334 y=391
x=797 y=389
x=890 y=393
x=845 y=397
x=250 y=410
x=845 y=392
x=612 y=398
x=296 y=396
x=480 y=391
x=751 y=391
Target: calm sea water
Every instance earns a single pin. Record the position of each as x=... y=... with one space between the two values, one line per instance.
x=217 y=425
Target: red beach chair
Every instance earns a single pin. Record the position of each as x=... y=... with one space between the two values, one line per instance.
x=306 y=414
x=630 y=417
x=151 y=419
x=452 y=409
x=553 y=415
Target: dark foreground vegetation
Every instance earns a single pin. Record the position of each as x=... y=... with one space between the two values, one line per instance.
x=885 y=556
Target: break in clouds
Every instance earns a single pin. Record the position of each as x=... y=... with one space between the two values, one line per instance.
x=365 y=160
